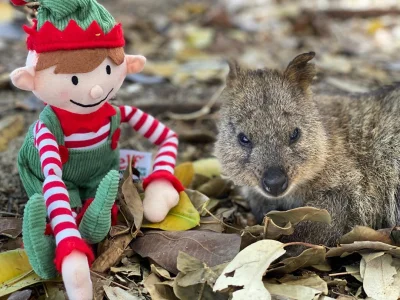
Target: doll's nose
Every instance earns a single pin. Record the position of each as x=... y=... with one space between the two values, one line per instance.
x=96 y=92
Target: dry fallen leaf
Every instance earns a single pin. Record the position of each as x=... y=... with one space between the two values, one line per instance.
x=345 y=249
x=184 y=216
x=297 y=215
x=10 y=227
x=216 y=187
x=16 y=272
x=10 y=127
x=113 y=254
x=209 y=247
x=308 y=280
x=309 y=257
x=378 y=280
x=297 y=292
x=363 y=233
x=158 y=291
x=116 y=293
x=131 y=203
x=198 y=199
x=196 y=279
x=246 y=270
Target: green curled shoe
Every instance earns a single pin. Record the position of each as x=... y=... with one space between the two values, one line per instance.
x=96 y=221
x=39 y=247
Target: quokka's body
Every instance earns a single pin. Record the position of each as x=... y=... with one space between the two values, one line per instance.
x=292 y=148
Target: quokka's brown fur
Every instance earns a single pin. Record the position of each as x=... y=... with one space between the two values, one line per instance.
x=346 y=160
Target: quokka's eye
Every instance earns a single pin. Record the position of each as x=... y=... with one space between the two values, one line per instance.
x=294 y=136
x=75 y=80
x=244 y=140
x=108 y=70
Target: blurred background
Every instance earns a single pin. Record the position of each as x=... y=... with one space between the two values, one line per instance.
x=187 y=43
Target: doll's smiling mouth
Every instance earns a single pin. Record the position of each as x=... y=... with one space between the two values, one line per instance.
x=94 y=104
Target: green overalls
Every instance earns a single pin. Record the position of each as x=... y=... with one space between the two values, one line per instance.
x=86 y=173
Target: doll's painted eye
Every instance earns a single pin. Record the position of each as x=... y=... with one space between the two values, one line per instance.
x=75 y=80
x=108 y=69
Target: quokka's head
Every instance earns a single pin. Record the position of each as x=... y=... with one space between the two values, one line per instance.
x=270 y=133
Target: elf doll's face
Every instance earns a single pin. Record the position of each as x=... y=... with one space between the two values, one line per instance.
x=80 y=93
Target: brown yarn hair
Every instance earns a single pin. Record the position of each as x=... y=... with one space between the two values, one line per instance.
x=78 y=61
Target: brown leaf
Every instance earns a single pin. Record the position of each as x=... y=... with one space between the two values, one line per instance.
x=216 y=188
x=363 y=233
x=209 y=247
x=198 y=199
x=196 y=271
x=345 y=249
x=393 y=233
x=10 y=127
x=196 y=278
x=98 y=283
x=160 y=272
x=158 y=291
x=113 y=254
x=309 y=257
x=309 y=280
x=209 y=223
x=298 y=215
x=10 y=227
x=131 y=203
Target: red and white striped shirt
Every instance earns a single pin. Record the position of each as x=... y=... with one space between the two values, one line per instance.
x=62 y=218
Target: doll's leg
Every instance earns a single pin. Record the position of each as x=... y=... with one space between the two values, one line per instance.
x=39 y=247
x=96 y=221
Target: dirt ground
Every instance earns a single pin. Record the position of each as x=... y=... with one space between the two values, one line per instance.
x=355 y=53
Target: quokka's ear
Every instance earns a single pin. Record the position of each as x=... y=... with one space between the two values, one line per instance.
x=234 y=70
x=300 y=72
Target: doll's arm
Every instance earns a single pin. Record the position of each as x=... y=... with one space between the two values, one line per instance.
x=161 y=187
x=56 y=196
x=160 y=135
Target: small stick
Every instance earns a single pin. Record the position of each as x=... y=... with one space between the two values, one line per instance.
x=205 y=110
x=344 y=273
x=219 y=221
x=113 y=282
x=9 y=213
x=303 y=244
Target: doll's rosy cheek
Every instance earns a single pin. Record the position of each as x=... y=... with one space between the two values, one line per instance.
x=64 y=95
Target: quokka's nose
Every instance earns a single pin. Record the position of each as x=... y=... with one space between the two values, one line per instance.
x=274 y=181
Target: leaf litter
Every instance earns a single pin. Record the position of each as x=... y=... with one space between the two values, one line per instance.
x=205 y=243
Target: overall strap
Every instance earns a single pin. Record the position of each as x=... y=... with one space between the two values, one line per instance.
x=49 y=118
x=115 y=121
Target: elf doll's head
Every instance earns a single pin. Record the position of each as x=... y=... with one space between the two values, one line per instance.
x=76 y=60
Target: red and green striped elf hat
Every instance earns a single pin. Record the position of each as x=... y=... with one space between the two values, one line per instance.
x=72 y=25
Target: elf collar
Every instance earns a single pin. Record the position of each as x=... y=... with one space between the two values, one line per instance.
x=78 y=123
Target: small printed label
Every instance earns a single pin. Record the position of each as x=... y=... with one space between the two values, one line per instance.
x=140 y=161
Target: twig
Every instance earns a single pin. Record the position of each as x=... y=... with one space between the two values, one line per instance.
x=112 y=281
x=221 y=222
x=344 y=273
x=302 y=244
x=9 y=213
x=205 y=110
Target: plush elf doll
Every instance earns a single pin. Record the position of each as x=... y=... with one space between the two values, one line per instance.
x=70 y=159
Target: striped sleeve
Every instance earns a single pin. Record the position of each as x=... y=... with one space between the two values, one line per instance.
x=55 y=192
x=155 y=132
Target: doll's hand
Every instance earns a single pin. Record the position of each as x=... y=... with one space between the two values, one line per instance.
x=160 y=197
x=76 y=276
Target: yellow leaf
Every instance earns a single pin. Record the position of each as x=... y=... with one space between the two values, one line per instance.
x=208 y=167
x=16 y=272
x=6 y=12
x=185 y=173
x=184 y=216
